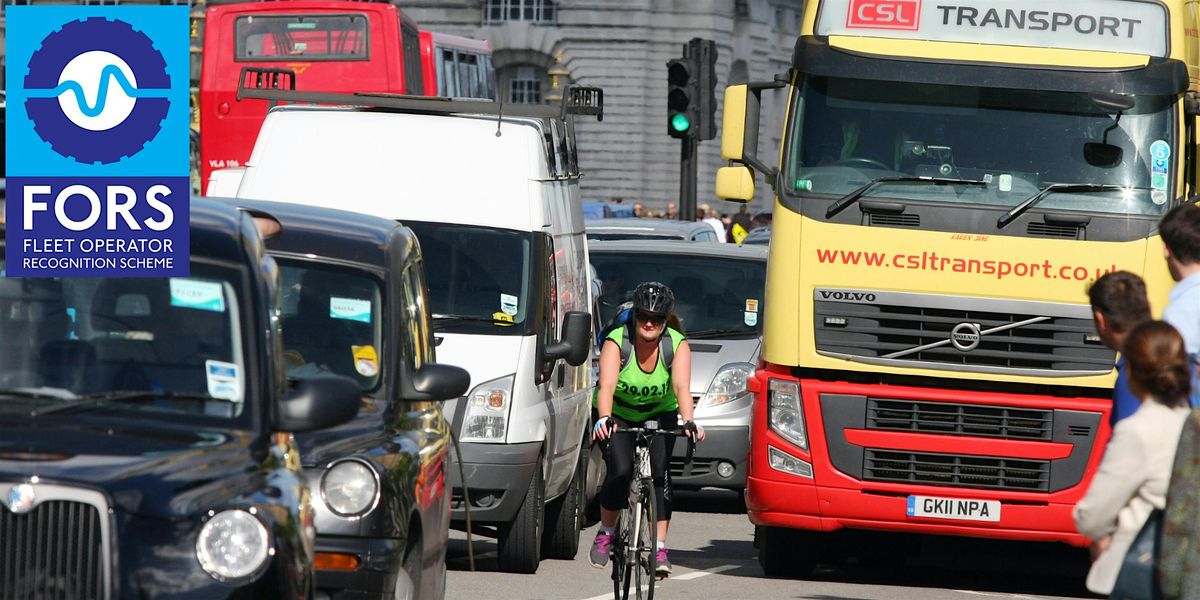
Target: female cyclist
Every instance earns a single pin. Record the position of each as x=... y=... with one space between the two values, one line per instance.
x=643 y=390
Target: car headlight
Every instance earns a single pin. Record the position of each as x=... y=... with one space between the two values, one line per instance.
x=349 y=488
x=728 y=384
x=233 y=545
x=786 y=414
x=486 y=416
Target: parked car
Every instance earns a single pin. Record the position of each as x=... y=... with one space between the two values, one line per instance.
x=649 y=229
x=498 y=219
x=719 y=294
x=145 y=449
x=758 y=236
x=353 y=303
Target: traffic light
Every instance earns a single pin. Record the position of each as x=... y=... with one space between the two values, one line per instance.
x=691 y=95
x=681 y=95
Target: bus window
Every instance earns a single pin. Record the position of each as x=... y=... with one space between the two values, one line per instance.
x=468 y=75
x=410 y=42
x=288 y=37
x=447 y=75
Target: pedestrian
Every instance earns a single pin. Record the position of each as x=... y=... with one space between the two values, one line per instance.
x=672 y=210
x=1119 y=304
x=1180 y=231
x=1179 y=557
x=706 y=214
x=1133 y=475
x=644 y=389
x=742 y=224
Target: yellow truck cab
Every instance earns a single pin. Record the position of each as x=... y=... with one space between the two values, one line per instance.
x=953 y=177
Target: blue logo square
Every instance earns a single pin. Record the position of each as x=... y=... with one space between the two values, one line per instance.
x=60 y=61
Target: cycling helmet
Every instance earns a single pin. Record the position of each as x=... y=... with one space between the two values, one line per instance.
x=654 y=298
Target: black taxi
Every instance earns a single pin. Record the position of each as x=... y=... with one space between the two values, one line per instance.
x=354 y=304
x=144 y=430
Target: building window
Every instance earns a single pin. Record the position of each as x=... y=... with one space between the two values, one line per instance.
x=536 y=11
x=525 y=84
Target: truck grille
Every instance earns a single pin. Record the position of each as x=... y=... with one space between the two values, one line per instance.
x=57 y=549
x=959 y=419
x=914 y=330
x=957 y=471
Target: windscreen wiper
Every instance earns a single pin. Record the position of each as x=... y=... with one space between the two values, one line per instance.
x=122 y=396
x=710 y=333
x=845 y=201
x=469 y=319
x=1055 y=188
x=36 y=394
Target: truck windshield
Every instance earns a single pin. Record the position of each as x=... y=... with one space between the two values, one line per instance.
x=150 y=345
x=845 y=133
x=715 y=296
x=331 y=321
x=479 y=278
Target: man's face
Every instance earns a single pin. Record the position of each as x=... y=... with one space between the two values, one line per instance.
x=1172 y=264
x=671 y=208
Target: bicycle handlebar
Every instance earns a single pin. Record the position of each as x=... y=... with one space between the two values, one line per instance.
x=651 y=432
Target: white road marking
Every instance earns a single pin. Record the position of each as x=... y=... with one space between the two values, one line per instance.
x=705 y=572
x=684 y=577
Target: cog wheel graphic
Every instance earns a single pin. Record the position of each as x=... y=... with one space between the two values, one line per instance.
x=143 y=123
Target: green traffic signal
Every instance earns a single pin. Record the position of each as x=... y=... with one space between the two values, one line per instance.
x=680 y=122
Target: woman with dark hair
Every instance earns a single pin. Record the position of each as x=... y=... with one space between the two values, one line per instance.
x=1133 y=476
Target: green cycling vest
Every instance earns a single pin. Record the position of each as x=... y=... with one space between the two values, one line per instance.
x=641 y=395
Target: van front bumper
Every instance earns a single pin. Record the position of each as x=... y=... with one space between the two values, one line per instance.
x=497 y=476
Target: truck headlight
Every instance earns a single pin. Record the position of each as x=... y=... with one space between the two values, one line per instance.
x=486 y=416
x=728 y=384
x=233 y=545
x=786 y=415
x=349 y=488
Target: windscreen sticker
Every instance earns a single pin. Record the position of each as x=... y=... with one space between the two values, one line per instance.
x=502 y=319
x=1159 y=197
x=508 y=304
x=366 y=360
x=198 y=295
x=224 y=380
x=350 y=309
x=1004 y=183
x=750 y=318
x=751 y=305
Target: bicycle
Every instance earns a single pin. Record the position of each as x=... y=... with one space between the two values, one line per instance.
x=634 y=551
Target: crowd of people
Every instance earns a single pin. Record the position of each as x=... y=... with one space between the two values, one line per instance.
x=1141 y=510
x=729 y=227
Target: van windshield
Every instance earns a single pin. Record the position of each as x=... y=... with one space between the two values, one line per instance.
x=150 y=345
x=714 y=296
x=479 y=278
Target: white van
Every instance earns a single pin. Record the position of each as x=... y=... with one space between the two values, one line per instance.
x=492 y=193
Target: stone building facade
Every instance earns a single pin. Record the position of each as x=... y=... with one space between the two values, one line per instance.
x=623 y=46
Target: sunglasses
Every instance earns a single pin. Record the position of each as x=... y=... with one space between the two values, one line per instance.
x=652 y=319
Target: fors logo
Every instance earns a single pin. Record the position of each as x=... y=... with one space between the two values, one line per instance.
x=97 y=90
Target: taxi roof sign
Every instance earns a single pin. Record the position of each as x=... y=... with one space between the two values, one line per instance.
x=1127 y=26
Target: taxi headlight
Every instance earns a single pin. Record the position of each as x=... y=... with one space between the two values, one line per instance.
x=349 y=488
x=233 y=545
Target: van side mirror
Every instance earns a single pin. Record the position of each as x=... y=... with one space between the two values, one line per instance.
x=437 y=382
x=318 y=402
x=576 y=341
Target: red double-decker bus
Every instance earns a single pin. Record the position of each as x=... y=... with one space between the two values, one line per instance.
x=336 y=46
x=456 y=66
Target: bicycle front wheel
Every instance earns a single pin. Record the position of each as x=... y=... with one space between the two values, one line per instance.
x=646 y=545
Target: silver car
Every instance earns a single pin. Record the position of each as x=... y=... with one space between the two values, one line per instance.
x=649 y=229
x=719 y=293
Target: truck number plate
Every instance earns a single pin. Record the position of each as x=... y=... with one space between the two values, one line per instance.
x=954 y=508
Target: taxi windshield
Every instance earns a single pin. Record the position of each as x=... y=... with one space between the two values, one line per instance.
x=331 y=321
x=849 y=132
x=159 y=345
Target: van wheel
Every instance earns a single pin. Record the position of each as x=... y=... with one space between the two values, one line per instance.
x=520 y=542
x=564 y=517
x=786 y=552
